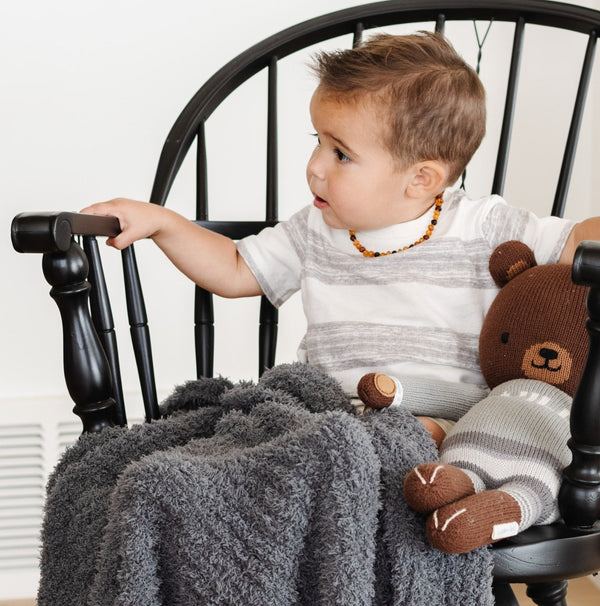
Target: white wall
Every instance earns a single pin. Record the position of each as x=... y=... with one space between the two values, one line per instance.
x=90 y=90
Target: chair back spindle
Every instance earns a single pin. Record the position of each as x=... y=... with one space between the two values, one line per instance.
x=566 y=169
x=201 y=175
x=359 y=28
x=440 y=24
x=204 y=332
x=102 y=318
x=140 y=334
x=509 y=109
x=204 y=319
x=272 y=164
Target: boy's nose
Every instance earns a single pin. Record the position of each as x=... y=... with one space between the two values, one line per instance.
x=315 y=166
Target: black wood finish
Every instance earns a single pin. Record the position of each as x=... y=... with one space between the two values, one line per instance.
x=546 y=554
x=542 y=557
x=358 y=33
x=201 y=175
x=267 y=335
x=87 y=372
x=509 y=109
x=204 y=319
x=272 y=158
x=579 y=498
x=549 y=594
x=140 y=333
x=102 y=319
x=504 y=595
x=204 y=332
x=53 y=231
x=560 y=197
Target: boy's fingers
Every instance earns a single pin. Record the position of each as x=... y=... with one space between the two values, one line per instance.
x=97 y=210
x=118 y=242
x=101 y=208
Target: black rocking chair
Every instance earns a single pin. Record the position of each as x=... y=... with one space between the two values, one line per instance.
x=542 y=557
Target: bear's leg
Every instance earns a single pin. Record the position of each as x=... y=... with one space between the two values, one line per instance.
x=432 y=485
x=477 y=520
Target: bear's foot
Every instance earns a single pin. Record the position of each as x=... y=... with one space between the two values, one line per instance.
x=433 y=485
x=377 y=390
x=477 y=520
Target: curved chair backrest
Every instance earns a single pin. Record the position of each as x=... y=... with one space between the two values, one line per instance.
x=266 y=55
x=190 y=125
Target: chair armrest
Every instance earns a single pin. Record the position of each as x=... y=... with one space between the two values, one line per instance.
x=579 y=496
x=44 y=232
x=65 y=265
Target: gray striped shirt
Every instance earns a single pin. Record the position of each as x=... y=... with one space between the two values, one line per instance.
x=418 y=312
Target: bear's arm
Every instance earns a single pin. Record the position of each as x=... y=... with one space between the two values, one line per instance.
x=437 y=398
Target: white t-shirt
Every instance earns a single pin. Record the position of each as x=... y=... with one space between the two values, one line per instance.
x=418 y=312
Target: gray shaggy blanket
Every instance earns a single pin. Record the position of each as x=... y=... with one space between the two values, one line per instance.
x=271 y=494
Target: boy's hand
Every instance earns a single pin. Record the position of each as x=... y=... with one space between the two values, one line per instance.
x=138 y=220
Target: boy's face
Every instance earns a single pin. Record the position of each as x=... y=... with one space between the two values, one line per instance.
x=354 y=179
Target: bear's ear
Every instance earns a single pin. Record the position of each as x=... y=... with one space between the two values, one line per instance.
x=509 y=260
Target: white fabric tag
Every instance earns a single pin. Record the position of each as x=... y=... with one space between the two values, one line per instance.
x=502 y=531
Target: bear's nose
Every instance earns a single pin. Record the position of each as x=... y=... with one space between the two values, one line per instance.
x=549 y=354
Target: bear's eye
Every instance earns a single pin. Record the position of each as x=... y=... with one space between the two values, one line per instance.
x=504 y=337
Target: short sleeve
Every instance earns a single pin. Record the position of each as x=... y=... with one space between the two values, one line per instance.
x=546 y=236
x=275 y=257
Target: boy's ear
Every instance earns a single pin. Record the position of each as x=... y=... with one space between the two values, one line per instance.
x=429 y=177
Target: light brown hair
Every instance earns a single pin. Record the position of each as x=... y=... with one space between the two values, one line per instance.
x=433 y=102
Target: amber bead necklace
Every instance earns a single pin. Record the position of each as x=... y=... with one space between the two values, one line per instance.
x=434 y=219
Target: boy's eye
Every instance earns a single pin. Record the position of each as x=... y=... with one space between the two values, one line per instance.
x=342 y=157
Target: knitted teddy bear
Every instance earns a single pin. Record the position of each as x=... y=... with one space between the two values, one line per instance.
x=501 y=463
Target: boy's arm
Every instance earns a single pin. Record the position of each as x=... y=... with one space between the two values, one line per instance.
x=586 y=230
x=209 y=259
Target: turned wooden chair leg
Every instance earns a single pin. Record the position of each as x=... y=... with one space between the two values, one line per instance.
x=549 y=594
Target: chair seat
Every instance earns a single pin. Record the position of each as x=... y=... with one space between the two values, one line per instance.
x=546 y=554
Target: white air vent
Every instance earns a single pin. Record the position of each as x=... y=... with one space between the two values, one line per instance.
x=68 y=432
x=22 y=482
x=28 y=453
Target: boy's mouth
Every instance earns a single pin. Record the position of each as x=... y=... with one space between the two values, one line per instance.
x=320 y=203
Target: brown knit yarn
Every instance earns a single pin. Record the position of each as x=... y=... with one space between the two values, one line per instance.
x=376 y=389
x=536 y=327
x=509 y=260
x=433 y=485
x=472 y=522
